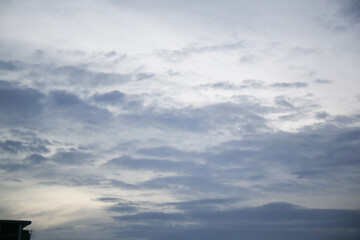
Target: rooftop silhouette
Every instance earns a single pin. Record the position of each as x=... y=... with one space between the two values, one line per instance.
x=14 y=230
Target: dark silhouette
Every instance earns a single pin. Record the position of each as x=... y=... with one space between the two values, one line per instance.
x=13 y=230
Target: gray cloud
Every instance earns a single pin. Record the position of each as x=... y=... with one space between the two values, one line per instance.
x=13 y=167
x=108 y=199
x=67 y=105
x=327 y=150
x=36 y=159
x=113 y=97
x=282 y=101
x=121 y=208
x=322 y=115
x=56 y=176
x=210 y=203
x=165 y=119
x=150 y=164
x=318 y=150
x=271 y=221
x=119 y=99
x=72 y=157
x=323 y=81
x=255 y=84
x=19 y=105
x=52 y=177
x=79 y=76
x=11 y=146
x=166 y=152
x=351 y=10
x=10 y=65
x=289 y=85
x=121 y=184
x=64 y=99
x=200 y=183
x=66 y=75
x=246 y=115
x=144 y=76
x=249 y=83
x=173 y=143
x=179 y=55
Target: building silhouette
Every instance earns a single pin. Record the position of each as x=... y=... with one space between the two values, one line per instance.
x=13 y=230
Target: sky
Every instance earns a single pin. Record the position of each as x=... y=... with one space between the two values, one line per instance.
x=202 y=119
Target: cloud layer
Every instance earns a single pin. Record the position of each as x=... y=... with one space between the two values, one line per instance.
x=171 y=120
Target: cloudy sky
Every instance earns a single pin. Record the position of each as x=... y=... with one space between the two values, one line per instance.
x=201 y=119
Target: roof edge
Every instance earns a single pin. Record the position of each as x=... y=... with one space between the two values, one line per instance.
x=24 y=223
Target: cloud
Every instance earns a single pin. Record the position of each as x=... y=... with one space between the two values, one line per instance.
x=122 y=208
x=177 y=133
x=57 y=176
x=246 y=84
x=351 y=10
x=144 y=76
x=36 y=159
x=282 y=101
x=246 y=115
x=179 y=55
x=13 y=167
x=107 y=199
x=323 y=81
x=72 y=157
x=128 y=162
x=298 y=51
x=64 y=99
x=224 y=85
x=349 y=136
x=289 y=85
x=166 y=152
x=271 y=221
x=181 y=120
x=15 y=147
x=63 y=77
x=75 y=75
x=19 y=105
x=119 y=99
x=248 y=58
x=69 y=106
x=322 y=115
x=121 y=184
x=254 y=84
x=316 y=155
x=12 y=146
x=30 y=109
x=345 y=121
x=309 y=173
x=200 y=183
x=211 y=203
x=10 y=65
x=52 y=177
x=113 y=97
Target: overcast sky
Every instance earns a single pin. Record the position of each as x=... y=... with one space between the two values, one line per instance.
x=200 y=119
